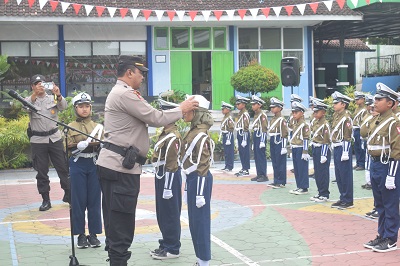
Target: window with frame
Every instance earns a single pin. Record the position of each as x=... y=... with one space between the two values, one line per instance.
x=293 y=44
x=270 y=38
x=161 y=39
x=201 y=38
x=248 y=38
x=180 y=38
x=219 y=38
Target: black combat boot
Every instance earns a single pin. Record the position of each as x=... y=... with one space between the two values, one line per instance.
x=46 y=202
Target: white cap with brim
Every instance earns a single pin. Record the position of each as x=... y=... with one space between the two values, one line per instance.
x=274 y=102
x=241 y=99
x=226 y=105
x=164 y=105
x=312 y=99
x=256 y=99
x=296 y=106
x=383 y=91
x=317 y=105
x=339 y=97
x=203 y=102
x=369 y=100
x=359 y=95
x=295 y=98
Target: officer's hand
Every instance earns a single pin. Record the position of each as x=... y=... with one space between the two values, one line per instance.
x=167 y=194
x=189 y=105
x=200 y=201
x=283 y=151
x=228 y=142
x=244 y=143
x=82 y=145
x=345 y=156
x=305 y=156
x=323 y=159
x=262 y=145
x=389 y=184
x=56 y=89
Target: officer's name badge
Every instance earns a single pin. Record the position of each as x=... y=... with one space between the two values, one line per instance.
x=348 y=124
x=398 y=130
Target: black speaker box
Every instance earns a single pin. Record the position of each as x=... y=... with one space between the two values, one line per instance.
x=290 y=71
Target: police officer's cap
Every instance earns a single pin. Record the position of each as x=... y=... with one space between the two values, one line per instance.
x=256 y=99
x=369 y=99
x=82 y=97
x=339 y=97
x=38 y=78
x=359 y=95
x=318 y=105
x=241 y=99
x=135 y=61
x=312 y=99
x=164 y=105
x=295 y=98
x=226 y=105
x=274 y=102
x=296 y=106
x=203 y=102
x=383 y=91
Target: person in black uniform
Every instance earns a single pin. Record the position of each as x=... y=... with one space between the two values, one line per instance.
x=228 y=140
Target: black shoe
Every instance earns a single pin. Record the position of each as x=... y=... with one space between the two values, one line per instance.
x=46 y=205
x=262 y=178
x=333 y=181
x=292 y=170
x=369 y=213
x=243 y=173
x=82 y=241
x=164 y=255
x=368 y=186
x=359 y=168
x=239 y=173
x=372 y=243
x=336 y=204
x=346 y=205
x=385 y=245
x=93 y=241
x=374 y=215
x=157 y=250
x=254 y=178
x=67 y=196
x=227 y=170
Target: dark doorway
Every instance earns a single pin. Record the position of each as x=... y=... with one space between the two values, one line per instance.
x=201 y=74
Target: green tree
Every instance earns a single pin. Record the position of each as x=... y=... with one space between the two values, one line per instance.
x=4 y=66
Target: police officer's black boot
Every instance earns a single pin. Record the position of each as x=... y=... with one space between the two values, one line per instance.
x=67 y=196
x=46 y=202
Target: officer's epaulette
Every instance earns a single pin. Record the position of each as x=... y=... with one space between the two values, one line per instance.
x=137 y=94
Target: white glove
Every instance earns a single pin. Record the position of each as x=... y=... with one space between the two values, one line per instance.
x=82 y=145
x=345 y=156
x=200 y=201
x=184 y=197
x=228 y=142
x=167 y=194
x=244 y=143
x=367 y=177
x=262 y=145
x=283 y=151
x=323 y=159
x=305 y=156
x=389 y=184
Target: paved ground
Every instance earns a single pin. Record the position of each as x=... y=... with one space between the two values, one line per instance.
x=252 y=224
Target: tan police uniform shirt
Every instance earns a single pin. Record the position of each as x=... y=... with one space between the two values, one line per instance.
x=243 y=120
x=290 y=123
x=320 y=131
x=126 y=118
x=205 y=163
x=260 y=122
x=280 y=127
x=366 y=123
x=302 y=134
x=341 y=127
x=388 y=135
x=358 y=116
x=171 y=159
x=227 y=124
x=49 y=107
x=87 y=126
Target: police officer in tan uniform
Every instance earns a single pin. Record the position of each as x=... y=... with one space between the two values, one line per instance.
x=290 y=121
x=341 y=143
x=228 y=140
x=243 y=135
x=46 y=139
x=120 y=161
x=383 y=145
x=359 y=113
x=168 y=185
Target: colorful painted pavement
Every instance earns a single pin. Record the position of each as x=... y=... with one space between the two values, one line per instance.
x=252 y=224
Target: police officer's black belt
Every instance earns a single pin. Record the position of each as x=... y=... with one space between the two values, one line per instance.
x=122 y=151
x=378 y=158
x=44 y=133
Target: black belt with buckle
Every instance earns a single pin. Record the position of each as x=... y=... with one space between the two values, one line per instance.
x=45 y=133
x=378 y=158
x=122 y=151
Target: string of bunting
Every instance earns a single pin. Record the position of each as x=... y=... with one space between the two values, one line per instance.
x=182 y=13
x=68 y=64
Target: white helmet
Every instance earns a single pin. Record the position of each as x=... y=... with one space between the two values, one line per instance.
x=82 y=97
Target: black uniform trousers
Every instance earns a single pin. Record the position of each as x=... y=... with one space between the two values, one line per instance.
x=260 y=158
x=278 y=160
x=169 y=212
x=386 y=201
x=244 y=152
x=120 y=195
x=40 y=159
x=344 y=175
x=321 y=171
x=229 y=150
x=358 y=148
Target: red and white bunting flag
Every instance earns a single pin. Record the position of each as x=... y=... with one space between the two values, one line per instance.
x=354 y=2
x=254 y=12
x=76 y=64
x=289 y=10
x=26 y=61
x=42 y=3
x=5 y=1
x=341 y=3
x=47 y=63
x=171 y=14
x=76 y=7
x=302 y=7
x=84 y=65
x=192 y=14
x=123 y=12
x=112 y=65
x=112 y=10
x=206 y=14
x=100 y=10
x=367 y=1
x=64 y=6
x=242 y=13
x=146 y=13
x=266 y=11
x=31 y=2
x=218 y=14
x=57 y=65
x=135 y=13
x=180 y=14
x=38 y=62
x=19 y=2
x=54 y=5
x=103 y=65
x=88 y=9
x=159 y=14
x=314 y=6
x=277 y=10
x=230 y=13
x=328 y=5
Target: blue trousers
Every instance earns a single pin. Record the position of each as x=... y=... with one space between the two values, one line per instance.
x=260 y=158
x=386 y=201
x=244 y=152
x=229 y=150
x=278 y=160
x=169 y=212
x=321 y=171
x=344 y=175
x=360 y=153
x=200 y=218
x=85 y=195
x=300 y=169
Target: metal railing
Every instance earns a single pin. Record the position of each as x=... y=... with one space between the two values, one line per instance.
x=382 y=65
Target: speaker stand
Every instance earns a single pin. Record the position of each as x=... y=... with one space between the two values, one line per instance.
x=291 y=88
